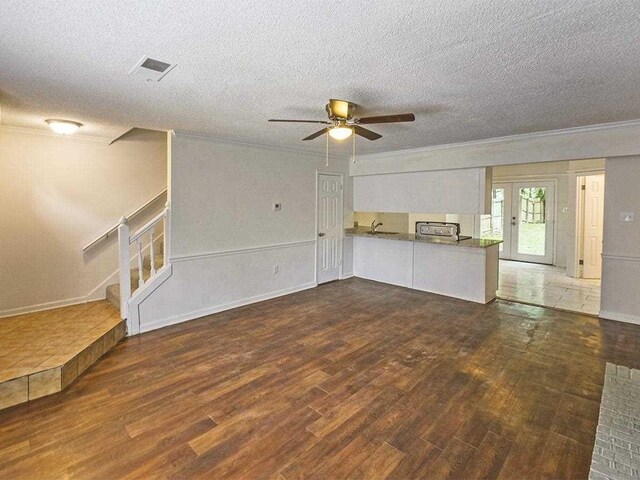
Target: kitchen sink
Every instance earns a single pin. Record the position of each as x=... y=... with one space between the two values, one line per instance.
x=382 y=233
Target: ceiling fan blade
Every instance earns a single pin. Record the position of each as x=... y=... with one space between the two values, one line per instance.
x=324 y=122
x=399 y=117
x=368 y=134
x=340 y=108
x=317 y=134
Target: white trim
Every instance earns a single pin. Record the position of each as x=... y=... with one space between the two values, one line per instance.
x=45 y=306
x=92 y=296
x=519 y=178
x=133 y=318
x=45 y=131
x=629 y=258
x=620 y=317
x=275 y=246
x=238 y=143
x=504 y=140
x=227 y=306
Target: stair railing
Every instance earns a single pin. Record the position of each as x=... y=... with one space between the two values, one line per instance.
x=139 y=238
x=106 y=234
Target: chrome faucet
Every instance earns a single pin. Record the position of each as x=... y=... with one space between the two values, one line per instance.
x=375 y=225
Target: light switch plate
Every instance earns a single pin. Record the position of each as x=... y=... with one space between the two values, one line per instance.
x=628 y=216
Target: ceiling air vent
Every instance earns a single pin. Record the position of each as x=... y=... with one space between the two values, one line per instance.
x=150 y=69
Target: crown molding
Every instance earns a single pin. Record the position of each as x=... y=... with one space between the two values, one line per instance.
x=77 y=138
x=498 y=141
x=238 y=143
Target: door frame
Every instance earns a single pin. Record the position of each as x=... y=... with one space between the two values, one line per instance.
x=511 y=180
x=341 y=215
x=507 y=186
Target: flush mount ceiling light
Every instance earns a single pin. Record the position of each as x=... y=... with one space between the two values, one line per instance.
x=63 y=127
x=340 y=133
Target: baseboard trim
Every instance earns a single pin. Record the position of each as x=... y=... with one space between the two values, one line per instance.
x=221 y=308
x=620 y=317
x=41 y=307
x=97 y=293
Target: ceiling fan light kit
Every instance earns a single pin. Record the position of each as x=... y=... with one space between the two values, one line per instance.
x=340 y=132
x=343 y=124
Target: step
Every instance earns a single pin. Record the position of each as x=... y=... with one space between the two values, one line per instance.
x=113 y=291
x=74 y=338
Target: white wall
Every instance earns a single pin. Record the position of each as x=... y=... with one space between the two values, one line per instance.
x=621 y=253
x=595 y=141
x=445 y=191
x=226 y=238
x=57 y=194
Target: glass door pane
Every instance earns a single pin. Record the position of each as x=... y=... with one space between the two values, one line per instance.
x=532 y=222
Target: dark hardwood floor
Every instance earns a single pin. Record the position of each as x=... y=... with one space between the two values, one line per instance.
x=353 y=379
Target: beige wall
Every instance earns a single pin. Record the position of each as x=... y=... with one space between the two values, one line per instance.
x=56 y=195
x=621 y=253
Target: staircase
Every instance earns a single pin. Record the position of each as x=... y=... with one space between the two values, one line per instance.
x=113 y=291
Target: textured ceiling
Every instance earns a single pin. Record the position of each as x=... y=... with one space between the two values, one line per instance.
x=467 y=69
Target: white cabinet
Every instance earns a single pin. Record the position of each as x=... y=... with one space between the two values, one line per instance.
x=388 y=261
x=467 y=273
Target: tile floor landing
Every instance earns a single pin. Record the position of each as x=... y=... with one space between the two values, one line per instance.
x=548 y=286
x=43 y=352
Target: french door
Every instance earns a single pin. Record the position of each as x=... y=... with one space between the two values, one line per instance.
x=522 y=216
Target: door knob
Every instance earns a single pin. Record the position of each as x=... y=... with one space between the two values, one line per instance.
x=321 y=234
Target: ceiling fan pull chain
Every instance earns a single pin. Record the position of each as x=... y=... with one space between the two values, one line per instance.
x=353 y=153
x=326 y=162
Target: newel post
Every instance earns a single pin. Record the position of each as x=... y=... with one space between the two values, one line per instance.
x=125 y=268
x=167 y=233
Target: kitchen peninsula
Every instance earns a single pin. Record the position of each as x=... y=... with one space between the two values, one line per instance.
x=465 y=269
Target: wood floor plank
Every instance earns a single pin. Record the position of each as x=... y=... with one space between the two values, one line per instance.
x=353 y=379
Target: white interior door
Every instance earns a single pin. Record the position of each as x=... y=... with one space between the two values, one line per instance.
x=522 y=216
x=593 y=226
x=330 y=228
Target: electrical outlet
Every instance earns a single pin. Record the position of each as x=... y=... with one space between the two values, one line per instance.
x=277 y=207
x=276 y=269
x=628 y=216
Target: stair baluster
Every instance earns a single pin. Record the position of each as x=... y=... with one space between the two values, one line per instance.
x=158 y=268
x=152 y=253
x=140 y=263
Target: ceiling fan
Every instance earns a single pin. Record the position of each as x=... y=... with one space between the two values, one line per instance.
x=342 y=123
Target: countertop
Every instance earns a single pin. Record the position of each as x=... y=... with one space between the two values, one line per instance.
x=410 y=237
